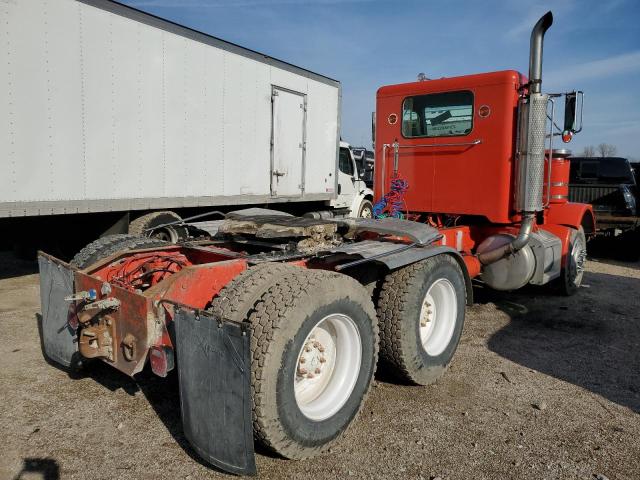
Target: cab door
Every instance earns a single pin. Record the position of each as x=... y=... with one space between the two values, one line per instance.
x=288 y=122
x=347 y=179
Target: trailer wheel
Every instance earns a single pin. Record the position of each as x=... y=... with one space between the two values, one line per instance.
x=573 y=269
x=421 y=310
x=110 y=244
x=173 y=233
x=365 y=210
x=314 y=347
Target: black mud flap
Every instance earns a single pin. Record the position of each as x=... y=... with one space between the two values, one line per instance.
x=214 y=372
x=58 y=315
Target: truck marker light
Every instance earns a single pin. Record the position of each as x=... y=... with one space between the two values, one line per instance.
x=161 y=360
x=484 y=111
x=567 y=136
x=392 y=119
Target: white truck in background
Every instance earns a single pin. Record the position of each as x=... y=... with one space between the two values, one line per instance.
x=120 y=121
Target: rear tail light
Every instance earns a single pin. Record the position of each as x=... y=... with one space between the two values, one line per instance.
x=161 y=359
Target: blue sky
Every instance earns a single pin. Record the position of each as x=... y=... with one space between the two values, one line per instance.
x=593 y=46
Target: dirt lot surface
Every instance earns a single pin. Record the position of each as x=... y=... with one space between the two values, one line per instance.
x=541 y=387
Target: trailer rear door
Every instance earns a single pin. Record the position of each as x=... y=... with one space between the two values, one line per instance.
x=287 y=142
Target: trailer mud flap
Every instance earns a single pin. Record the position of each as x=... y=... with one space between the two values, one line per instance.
x=58 y=335
x=214 y=372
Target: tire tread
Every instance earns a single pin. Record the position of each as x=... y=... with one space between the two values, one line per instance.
x=392 y=311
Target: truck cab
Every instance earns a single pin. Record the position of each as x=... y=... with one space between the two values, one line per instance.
x=353 y=193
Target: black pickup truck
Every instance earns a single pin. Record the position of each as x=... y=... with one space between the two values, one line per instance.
x=608 y=183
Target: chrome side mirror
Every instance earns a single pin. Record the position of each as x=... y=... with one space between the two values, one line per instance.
x=573 y=102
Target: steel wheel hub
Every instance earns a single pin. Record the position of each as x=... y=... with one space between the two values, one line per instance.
x=438 y=317
x=327 y=367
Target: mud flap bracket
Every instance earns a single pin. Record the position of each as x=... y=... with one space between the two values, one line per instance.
x=214 y=372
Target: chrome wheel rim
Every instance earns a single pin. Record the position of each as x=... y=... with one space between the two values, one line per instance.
x=578 y=260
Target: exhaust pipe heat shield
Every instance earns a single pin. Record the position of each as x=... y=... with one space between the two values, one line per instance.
x=532 y=136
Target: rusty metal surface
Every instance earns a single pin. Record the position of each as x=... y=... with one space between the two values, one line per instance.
x=135 y=318
x=196 y=285
x=58 y=316
x=96 y=341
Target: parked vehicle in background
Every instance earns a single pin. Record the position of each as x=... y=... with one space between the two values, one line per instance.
x=353 y=193
x=134 y=121
x=609 y=185
x=365 y=160
x=635 y=166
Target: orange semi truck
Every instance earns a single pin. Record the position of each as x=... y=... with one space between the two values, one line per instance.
x=275 y=323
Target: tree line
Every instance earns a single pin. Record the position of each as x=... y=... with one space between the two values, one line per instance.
x=602 y=150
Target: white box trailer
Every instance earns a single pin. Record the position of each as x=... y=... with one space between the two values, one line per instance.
x=109 y=109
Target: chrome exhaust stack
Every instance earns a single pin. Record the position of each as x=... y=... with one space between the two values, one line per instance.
x=532 y=121
x=535 y=51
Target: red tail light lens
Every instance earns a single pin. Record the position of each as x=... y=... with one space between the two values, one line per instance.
x=161 y=360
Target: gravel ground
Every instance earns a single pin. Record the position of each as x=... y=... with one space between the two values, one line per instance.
x=541 y=387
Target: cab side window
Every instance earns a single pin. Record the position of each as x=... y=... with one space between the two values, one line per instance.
x=438 y=115
x=345 y=164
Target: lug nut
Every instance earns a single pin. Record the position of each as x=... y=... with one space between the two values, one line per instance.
x=307 y=348
x=321 y=349
x=303 y=360
x=318 y=371
x=302 y=371
x=322 y=359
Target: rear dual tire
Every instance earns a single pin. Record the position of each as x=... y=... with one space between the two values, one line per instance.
x=421 y=310
x=303 y=322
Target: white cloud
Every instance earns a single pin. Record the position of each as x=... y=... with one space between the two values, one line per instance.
x=595 y=69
